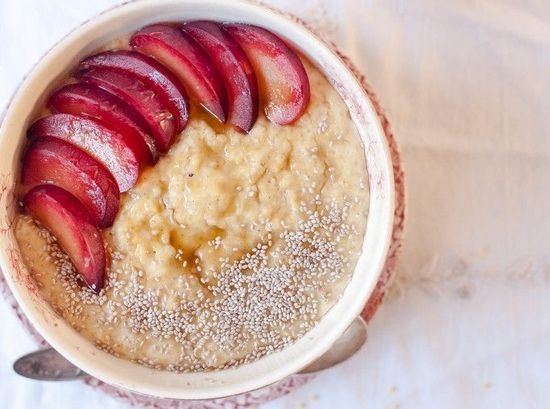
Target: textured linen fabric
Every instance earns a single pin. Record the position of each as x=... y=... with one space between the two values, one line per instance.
x=466 y=85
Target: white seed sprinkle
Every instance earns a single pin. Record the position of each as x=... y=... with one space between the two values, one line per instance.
x=255 y=304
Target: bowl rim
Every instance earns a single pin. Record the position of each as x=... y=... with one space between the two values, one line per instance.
x=354 y=309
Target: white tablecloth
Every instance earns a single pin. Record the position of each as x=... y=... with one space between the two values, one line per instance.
x=467 y=87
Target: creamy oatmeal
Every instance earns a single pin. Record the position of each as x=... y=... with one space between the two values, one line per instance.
x=231 y=247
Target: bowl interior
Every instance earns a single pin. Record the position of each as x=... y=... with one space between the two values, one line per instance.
x=31 y=95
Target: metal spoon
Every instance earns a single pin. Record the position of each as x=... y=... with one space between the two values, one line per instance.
x=50 y=365
x=47 y=365
x=347 y=345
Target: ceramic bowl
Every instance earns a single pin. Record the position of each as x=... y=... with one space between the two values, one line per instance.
x=31 y=96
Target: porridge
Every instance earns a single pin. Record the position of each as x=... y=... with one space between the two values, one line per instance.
x=230 y=247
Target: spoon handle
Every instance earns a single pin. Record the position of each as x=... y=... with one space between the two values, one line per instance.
x=345 y=347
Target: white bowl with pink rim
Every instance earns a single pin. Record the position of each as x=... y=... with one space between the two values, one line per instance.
x=31 y=96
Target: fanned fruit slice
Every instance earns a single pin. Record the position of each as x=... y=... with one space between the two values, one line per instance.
x=50 y=160
x=65 y=217
x=159 y=79
x=100 y=142
x=92 y=101
x=141 y=97
x=188 y=61
x=232 y=63
x=280 y=72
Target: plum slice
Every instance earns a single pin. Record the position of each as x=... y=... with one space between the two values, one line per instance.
x=100 y=142
x=67 y=220
x=236 y=70
x=50 y=160
x=141 y=97
x=92 y=101
x=153 y=74
x=188 y=61
x=280 y=72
